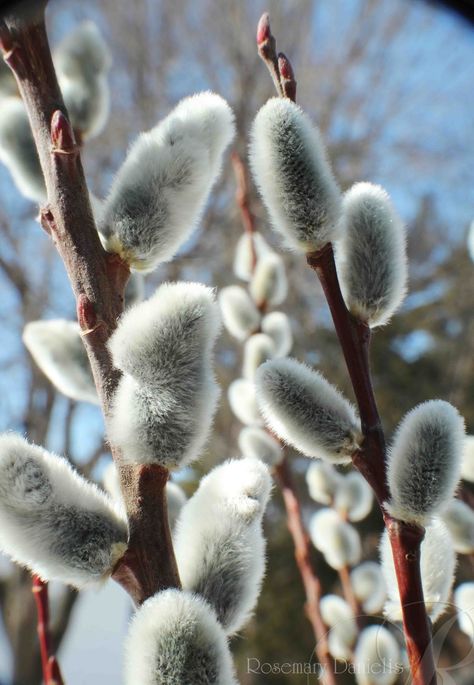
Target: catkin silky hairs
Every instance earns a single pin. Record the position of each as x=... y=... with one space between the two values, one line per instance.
x=52 y=520
x=294 y=177
x=160 y=191
x=166 y=399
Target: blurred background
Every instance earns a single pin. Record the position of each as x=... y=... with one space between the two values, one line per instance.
x=390 y=83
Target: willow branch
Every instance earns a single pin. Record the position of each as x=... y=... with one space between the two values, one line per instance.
x=50 y=666
x=98 y=281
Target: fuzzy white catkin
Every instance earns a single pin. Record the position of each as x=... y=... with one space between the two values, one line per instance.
x=438 y=562
x=424 y=461
x=219 y=543
x=243 y=402
x=377 y=658
x=249 y=247
x=257 y=350
x=269 y=285
x=322 y=480
x=335 y=538
x=18 y=150
x=239 y=314
x=459 y=518
x=467 y=462
x=160 y=192
x=369 y=586
x=52 y=520
x=82 y=62
x=256 y=443
x=304 y=410
x=294 y=177
x=371 y=254
x=338 y=616
x=174 y=639
x=166 y=399
x=57 y=348
x=353 y=497
x=464 y=601
x=277 y=326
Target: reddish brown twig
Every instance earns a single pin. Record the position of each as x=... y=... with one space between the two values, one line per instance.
x=405 y=539
x=98 y=280
x=50 y=666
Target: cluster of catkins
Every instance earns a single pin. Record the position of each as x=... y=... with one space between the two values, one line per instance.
x=63 y=527
x=300 y=407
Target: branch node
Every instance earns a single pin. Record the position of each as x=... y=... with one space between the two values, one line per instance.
x=86 y=314
x=287 y=77
x=47 y=221
x=62 y=135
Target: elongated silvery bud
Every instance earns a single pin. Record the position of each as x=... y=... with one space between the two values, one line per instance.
x=82 y=62
x=257 y=350
x=256 y=443
x=18 y=150
x=377 y=658
x=424 y=461
x=165 y=402
x=459 y=518
x=294 y=177
x=304 y=410
x=337 y=615
x=175 y=638
x=369 y=586
x=467 y=461
x=371 y=254
x=219 y=544
x=464 y=601
x=269 y=285
x=323 y=481
x=243 y=402
x=159 y=193
x=239 y=314
x=335 y=538
x=354 y=497
x=57 y=348
x=277 y=326
x=53 y=521
x=437 y=564
x=249 y=248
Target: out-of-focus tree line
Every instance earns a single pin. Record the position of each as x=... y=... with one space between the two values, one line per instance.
x=393 y=110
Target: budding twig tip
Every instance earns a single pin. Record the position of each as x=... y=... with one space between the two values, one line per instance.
x=263 y=28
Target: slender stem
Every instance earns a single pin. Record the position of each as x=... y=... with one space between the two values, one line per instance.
x=349 y=596
x=310 y=580
x=98 y=280
x=49 y=663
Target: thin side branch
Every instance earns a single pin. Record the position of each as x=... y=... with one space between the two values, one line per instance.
x=49 y=663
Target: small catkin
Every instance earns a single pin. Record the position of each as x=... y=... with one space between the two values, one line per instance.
x=243 y=402
x=167 y=396
x=304 y=410
x=467 y=462
x=269 y=286
x=424 y=461
x=52 y=520
x=293 y=175
x=438 y=563
x=18 y=150
x=464 y=601
x=277 y=326
x=323 y=481
x=256 y=443
x=371 y=254
x=335 y=538
x=174 y=639
x=459 y=518
x=82 y=62
x=57 y=348
x=160 y=192
x=240 y=316
x=257 y=350
x=354 y=497
x=219 y=544
x=250 y=248
x=377 y=658
x=338 y=616
x=369 y=586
